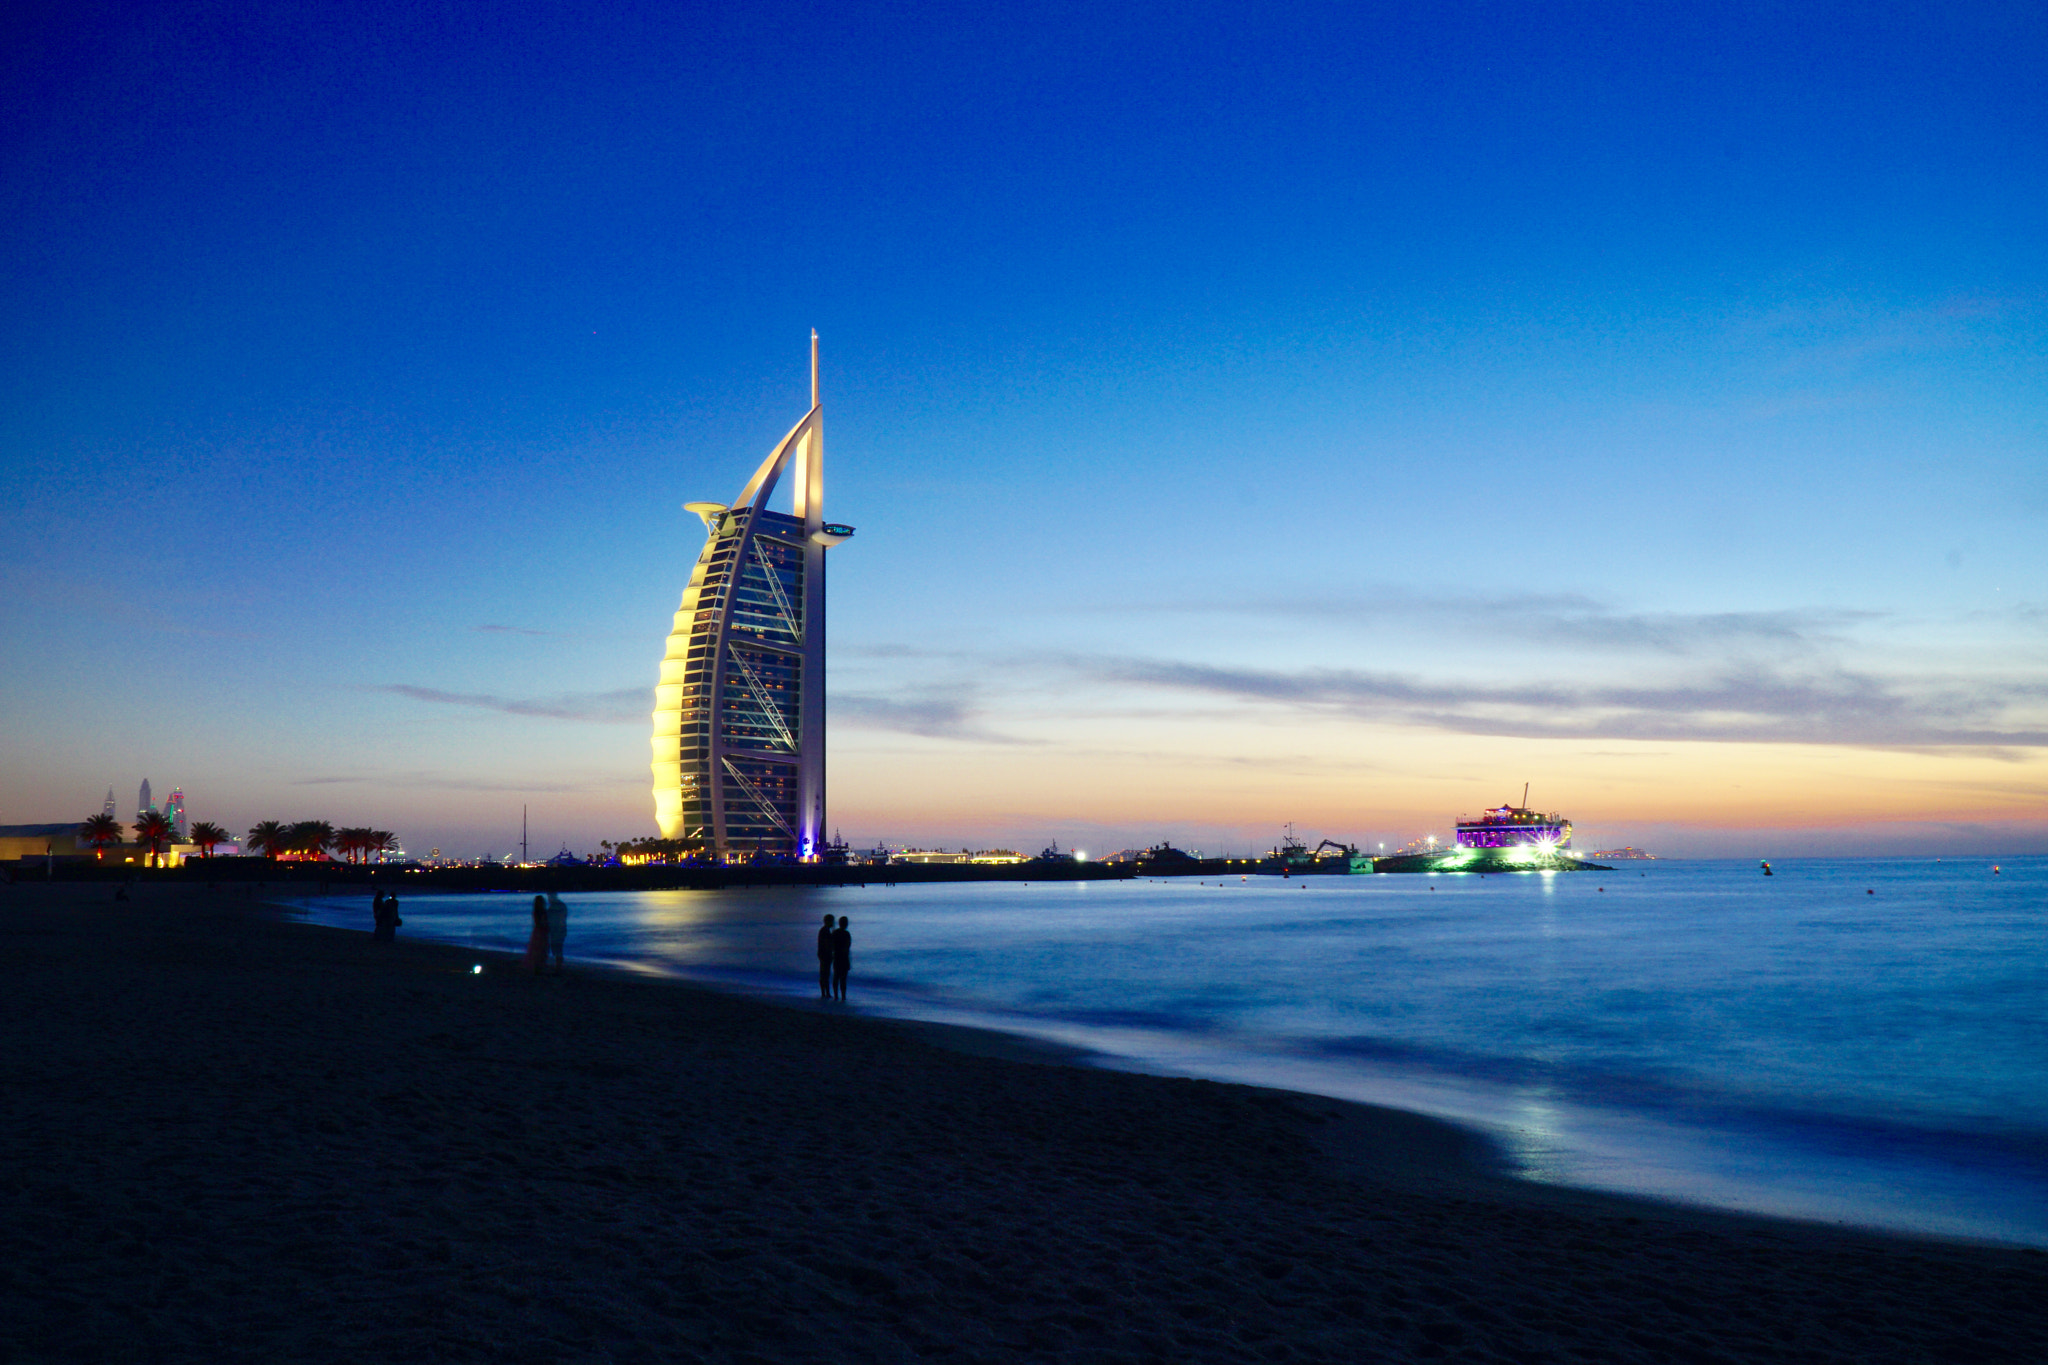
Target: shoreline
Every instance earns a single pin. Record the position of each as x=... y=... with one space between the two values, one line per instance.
x=1858 y=1193
x=235 y=1128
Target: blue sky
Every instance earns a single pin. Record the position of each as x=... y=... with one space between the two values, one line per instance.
x=1322 y=413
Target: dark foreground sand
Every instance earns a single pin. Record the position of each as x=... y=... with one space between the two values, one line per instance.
x=232 y=1139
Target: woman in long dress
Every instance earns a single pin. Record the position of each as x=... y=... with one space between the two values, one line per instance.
x=537 y=941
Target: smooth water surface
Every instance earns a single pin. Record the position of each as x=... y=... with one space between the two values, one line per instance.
x=1860 y=1041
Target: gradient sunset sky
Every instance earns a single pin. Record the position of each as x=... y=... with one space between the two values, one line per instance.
x=1331 y=413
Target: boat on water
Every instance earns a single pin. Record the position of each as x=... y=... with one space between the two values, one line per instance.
x=1053 y=854
x=1293 y=858
x=1287 y=858
x=1164 y=860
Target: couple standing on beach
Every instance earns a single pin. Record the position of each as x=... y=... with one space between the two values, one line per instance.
x=835 y=959
x=550 y=929
x=384 y=914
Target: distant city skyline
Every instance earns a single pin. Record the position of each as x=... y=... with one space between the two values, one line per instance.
x=1336 y=416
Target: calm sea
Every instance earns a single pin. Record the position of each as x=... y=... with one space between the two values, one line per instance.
x=1854 y=1041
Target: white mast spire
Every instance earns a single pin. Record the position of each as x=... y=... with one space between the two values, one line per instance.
x=814 y=367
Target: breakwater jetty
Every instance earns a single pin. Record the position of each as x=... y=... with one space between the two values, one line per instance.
x=318 y=877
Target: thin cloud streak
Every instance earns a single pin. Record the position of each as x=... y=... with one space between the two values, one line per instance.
x=1566 y=619
x=442 y=782
x=626 y=706
x=935 y=715
x=1833 y=707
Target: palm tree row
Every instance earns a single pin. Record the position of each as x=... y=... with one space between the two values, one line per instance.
x=651 y=850
x=303 y=838
x=359 y=842
x=272 y=838
x=152 y=831
x=313 y=838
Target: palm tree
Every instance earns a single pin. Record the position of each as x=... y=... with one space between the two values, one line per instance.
x=206 y=834
x=310 y=837
x=153 y=832
x=349 y=840
x=378 y=841
x=99 y=831
x=268 y=837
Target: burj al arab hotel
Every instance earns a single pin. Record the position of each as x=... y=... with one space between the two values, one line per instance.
x=739 y=713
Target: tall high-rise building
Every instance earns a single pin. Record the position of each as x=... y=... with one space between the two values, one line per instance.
x=108 y=809
x=142 y=806
x=739 y=713
x=174 y=807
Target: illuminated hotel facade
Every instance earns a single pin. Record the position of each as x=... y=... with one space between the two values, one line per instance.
x=739 y=712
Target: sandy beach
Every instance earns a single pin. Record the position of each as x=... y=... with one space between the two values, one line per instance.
x=236 y=1138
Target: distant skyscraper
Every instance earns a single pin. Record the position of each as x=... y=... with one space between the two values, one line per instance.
x=175 y=809
x=142 y=805
x=108 y=809
x=739 y=714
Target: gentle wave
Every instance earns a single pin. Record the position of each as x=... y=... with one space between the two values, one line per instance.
x=1854 y=1041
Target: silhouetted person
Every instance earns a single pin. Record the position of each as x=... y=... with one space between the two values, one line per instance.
x=842 y=958
x=537 y=937
x=825 y=960
x=386 y=912
x=558 y=927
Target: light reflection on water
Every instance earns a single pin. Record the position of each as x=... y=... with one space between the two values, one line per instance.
x=1857 y=1041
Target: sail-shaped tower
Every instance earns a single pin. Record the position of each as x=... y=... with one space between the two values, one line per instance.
x=739 y=713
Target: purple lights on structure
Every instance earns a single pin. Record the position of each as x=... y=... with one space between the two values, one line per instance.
x=1515 y=827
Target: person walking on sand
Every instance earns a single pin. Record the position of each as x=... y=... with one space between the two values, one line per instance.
x=537 y=940
x=558 y=928
x=842 y=959
x=825 y=960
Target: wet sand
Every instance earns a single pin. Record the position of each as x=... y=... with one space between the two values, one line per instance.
x=234 y=1138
